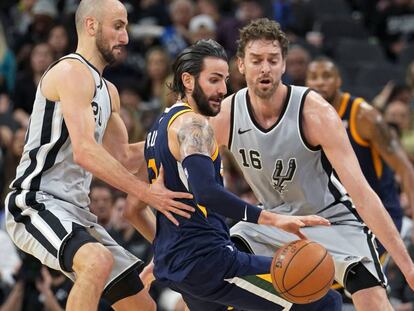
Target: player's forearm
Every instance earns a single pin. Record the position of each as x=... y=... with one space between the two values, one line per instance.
x=373 y=213
x=95 y=159
x=50 y=302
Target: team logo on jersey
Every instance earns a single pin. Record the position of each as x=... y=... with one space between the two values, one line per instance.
x=282 y=176
x=97 y=113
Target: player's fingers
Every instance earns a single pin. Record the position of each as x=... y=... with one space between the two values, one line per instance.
x=182 y=206
x=315 y=221
x=180 y=212
x=301 y=235
x=171 y=218
x=160 y=177
x=181 y=195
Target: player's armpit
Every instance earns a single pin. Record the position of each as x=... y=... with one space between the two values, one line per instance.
x=195 y=135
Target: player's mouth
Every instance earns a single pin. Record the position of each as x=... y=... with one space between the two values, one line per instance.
x=265 y=82
x=215 y=102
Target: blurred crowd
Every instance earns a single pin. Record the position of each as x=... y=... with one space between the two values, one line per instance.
x=371 y=42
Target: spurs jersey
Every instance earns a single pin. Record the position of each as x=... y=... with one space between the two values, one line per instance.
x=47 y=163
x=287 y=175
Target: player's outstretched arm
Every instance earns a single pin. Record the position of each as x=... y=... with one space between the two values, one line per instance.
x=191 y=141
x=323 y=127
x=71 y=83
x=372 y=127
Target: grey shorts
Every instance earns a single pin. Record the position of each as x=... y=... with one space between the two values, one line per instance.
x=348 y=245
x=42 y=225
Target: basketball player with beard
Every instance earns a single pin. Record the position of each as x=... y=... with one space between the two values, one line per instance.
x=76 y=132
x=197 y=258
x=290 y=143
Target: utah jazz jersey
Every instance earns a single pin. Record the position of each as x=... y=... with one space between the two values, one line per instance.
x=178 y=248
x=378 y=174
x=47 y=162
x=287 y=175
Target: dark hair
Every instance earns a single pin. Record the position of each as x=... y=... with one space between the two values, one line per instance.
x=262 y=29
x=191 y=60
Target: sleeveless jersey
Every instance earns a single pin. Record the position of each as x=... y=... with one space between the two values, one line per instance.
x=286 y=174
x=47 y=161
x=178 y=248
x=376 y=171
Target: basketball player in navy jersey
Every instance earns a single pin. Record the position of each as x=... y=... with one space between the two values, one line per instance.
x=76 y=131
x=288 y=141
x=376 y=148
x=197 y=258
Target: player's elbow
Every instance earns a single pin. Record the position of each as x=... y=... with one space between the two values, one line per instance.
x=82 y=155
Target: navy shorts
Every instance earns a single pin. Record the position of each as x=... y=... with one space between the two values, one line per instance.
x=230 y=278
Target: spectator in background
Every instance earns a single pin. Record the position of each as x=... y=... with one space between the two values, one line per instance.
x=102 y=198
x=236 y=79
x=59 y=41
x=7 y=63
x=125 y=234
x=202 y=27
x=395 y=27
x=297 y=61
x=176 y=36
x=13 y=153
x=44 y=13
x=40 y=59
x=157 y=70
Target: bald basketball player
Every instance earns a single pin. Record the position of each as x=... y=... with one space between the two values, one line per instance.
x=76 y=132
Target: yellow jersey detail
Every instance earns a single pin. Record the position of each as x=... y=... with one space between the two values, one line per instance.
x=202 y=209
x=352 y=124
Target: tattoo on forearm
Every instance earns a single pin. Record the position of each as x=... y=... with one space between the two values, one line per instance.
x=195 y=136
x=385 y=138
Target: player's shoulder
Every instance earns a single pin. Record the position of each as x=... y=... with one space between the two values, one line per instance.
x=316 y=106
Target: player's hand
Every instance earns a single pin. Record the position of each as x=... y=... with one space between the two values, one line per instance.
x=147 y=275
x=44 y=283
x=162 y=199
x=291 y=224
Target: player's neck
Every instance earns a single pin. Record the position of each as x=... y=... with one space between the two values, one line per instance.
x=267 y=111
x=93 y=57
x=336 y=103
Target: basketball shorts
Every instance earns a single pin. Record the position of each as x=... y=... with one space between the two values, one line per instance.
x=42 y=225
x=228 y=279
x=348 y=245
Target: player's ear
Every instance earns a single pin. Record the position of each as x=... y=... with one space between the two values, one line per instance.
x=240 y=65
x=91 y=25
x=284 y=66
x=188 y=81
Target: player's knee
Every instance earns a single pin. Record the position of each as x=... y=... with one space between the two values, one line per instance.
x=93 y=259
x=359 y=278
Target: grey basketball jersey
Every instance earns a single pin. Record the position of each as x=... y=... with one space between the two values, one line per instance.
x=286 y=174
x=47 y=162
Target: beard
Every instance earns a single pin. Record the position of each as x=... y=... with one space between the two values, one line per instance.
x=265 y=93
x=104 y=48
x=202 y=103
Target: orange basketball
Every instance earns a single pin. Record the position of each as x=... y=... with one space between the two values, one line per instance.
x=302 y=271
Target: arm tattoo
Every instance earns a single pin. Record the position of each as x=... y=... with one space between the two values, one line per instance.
x=195 y=136
x=385 y=138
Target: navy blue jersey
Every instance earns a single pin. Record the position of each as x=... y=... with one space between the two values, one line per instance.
x=177 y=249
x=378 y=174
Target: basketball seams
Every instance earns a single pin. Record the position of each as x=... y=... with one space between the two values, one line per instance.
x=309 y=273
x=311 y=269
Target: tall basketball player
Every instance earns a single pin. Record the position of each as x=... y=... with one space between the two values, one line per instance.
x=197 y=258
x=288 y=141
x=76 y=131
